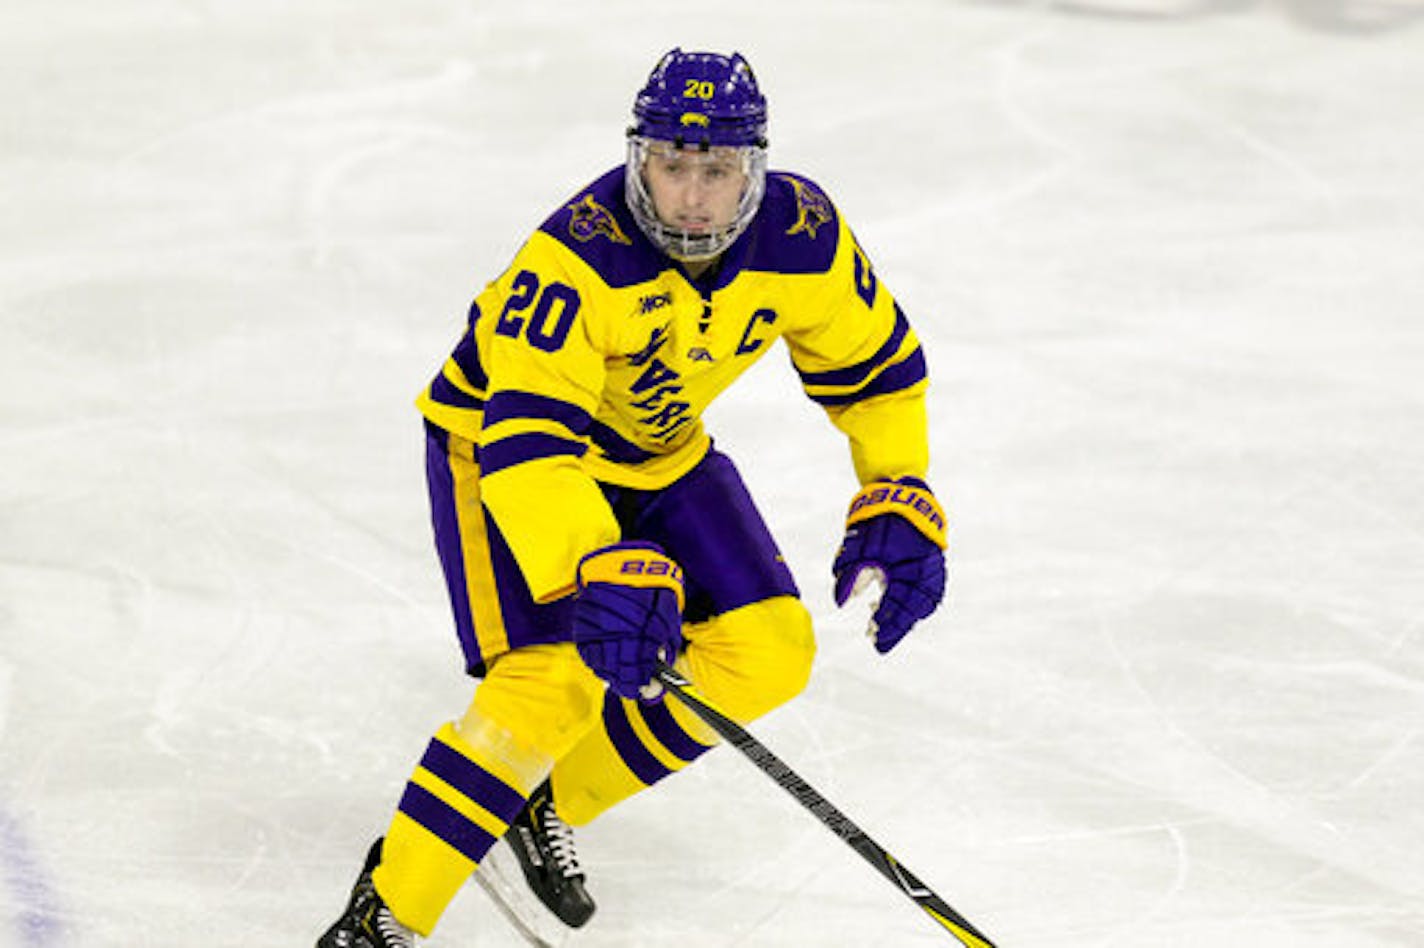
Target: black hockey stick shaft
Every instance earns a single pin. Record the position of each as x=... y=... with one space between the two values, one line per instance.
x=821 y=808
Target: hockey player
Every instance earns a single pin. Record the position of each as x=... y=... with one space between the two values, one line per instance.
x=586 y=525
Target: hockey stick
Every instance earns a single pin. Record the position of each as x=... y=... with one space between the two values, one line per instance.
x=821 y=808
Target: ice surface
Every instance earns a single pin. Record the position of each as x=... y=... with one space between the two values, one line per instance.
x=1167 y=258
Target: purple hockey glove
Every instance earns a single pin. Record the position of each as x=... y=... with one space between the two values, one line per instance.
x=894 y=534
x=627 y=615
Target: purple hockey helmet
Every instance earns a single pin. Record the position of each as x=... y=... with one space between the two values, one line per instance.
x=698 y=101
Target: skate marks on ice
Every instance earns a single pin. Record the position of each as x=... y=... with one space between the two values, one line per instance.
x=29 y=907
x=1226 y=777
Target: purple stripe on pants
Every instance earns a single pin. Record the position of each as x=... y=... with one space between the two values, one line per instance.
x=525 y=621
x=447 y=536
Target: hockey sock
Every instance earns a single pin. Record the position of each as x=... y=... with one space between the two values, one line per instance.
x=638 y=745
x=456 y=805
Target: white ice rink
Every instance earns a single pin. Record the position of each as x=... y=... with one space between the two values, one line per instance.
x=1167 y=260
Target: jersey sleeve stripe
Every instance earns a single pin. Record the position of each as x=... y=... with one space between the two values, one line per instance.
x=858 y=373
x=467 y=356
x=523 y=448
x=447 y=392
x=897 y=377
x=617 y=448
x=507 y=404
x=454 y=371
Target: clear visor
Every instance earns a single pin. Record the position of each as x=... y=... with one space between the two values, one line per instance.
x=712 y=163
x=694 y=203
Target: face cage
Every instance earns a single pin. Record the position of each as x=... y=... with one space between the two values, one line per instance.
x=680 y=244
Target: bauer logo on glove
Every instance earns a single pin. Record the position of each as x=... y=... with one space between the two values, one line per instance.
x=895 y=533
x=654 y=567
x=628 y=615
x=641 y=565
x=907 y=499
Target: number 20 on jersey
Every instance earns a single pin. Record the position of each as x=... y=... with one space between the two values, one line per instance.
x=554 y=307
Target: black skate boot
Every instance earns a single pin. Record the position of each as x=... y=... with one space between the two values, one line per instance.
x=367 y=923
x=544 y=847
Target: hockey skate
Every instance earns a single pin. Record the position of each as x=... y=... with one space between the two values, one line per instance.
x=367 y=922
x=533 y=875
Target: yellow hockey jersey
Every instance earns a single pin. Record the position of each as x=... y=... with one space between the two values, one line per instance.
x=593 y=356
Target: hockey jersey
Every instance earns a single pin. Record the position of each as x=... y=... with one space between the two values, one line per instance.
x=593 y=356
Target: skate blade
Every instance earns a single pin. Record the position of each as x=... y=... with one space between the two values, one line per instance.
x=502 y=879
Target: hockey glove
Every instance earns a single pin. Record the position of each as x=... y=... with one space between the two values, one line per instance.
x=895 y=535
x=627 y=615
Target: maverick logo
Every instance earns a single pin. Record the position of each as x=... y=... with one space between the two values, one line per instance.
x=656 y=301
x=655 y=391
x=589 y=219
x=813 y=209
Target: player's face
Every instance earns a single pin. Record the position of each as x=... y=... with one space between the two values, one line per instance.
x=695 y=191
